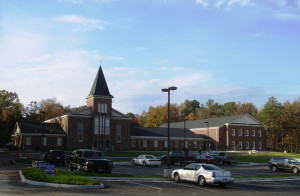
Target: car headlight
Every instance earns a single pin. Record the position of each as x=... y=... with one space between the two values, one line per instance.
x=88 y=162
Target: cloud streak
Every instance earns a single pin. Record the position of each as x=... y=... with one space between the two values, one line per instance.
x=85 y=22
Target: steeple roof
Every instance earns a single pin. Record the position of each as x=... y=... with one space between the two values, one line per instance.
x=99 y=87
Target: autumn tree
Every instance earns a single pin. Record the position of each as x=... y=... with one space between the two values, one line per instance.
x=53 y=108
x=11 y=111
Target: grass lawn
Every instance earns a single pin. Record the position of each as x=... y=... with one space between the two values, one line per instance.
x=263 y=157
x=61 y=177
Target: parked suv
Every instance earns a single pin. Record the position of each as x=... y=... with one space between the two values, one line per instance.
x=55 y=157
x=284 y=163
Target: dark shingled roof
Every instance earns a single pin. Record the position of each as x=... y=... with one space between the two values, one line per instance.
x=100 y=87
x=163 y=132
x=37 y=128
x=213 y=122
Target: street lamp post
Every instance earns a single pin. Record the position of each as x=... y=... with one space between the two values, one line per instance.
x=168 y=90
x=207 y=123
x=43 y=130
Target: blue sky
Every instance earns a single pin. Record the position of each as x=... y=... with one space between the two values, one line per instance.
x=225 y=50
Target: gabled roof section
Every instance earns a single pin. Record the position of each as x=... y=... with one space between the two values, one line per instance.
x=244 y=119
x=163 y=132
x=118 y=115
x=27 y=128
x=100 y=87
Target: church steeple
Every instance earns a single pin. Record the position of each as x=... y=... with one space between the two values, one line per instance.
x=100 y=87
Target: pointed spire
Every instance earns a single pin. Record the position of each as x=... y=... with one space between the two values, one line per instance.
x=99 y=87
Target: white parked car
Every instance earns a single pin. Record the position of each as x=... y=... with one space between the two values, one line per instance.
x=203 y=174
x=146 y=160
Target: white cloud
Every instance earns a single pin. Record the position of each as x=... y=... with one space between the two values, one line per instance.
x=90 y=23
x=240 y=2
x=200 y=60
x=219 y=3
x=202 y=2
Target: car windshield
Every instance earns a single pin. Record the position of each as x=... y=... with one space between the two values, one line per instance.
x=210 y=167
x=93 y=155
x=150 y=157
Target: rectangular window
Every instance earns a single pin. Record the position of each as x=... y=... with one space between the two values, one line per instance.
x=259 y=145
x=107 y=126
x=176 y=143
x=96 y=125
x=118 y=133
x=233 y=145
x=102 y=108
x=45 y=141
x=240 y=145
x=155 y=144
x=240 y=132
x=253 y=145
x=247 y=132
x=259 y=133
x=145 y=143
x=253 y=132
x=233 y=132
x=80 y=132
x=59 y=141
x=247 y=145
x=195 y=144
x=102 y=124
x=186 y=144
x=166 y=144
x=28 y=140
x=133 y=143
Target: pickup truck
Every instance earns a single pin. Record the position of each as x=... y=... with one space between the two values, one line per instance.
x=88 y=160
x=177 y=158
x=222 y=158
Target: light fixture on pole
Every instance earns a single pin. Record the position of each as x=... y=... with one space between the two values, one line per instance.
x=43 y=131
x=168 y=90
x=207 y=123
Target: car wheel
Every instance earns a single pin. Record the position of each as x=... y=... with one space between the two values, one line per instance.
x=274 y=168
x=177 y=177
x=144 y=164
x=202 y=181
x=295 y=170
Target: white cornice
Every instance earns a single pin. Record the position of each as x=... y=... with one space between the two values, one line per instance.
x=99 y=96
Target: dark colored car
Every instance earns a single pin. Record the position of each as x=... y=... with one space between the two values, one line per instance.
x=89 y=160
x=223 y=158
x=56 y=157
x=284 y=163
x=205 y=159
x=177 y=158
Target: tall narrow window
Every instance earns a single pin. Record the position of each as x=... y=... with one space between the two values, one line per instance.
x=101 y=125
x=145 y=143
x=233 y=132
x=253 y=145
x=59 y=141
x=45 y=141
x=247 y=133
x=195 y=144
x=166 y=144
x=259 y=145
x=28 y=140
x=253 y=132
x=118 y=133
x=96 y=125
x=240 y=132
x=107 y=126
x=133 y=143
x=102 y=108
x=240 y=145
x=80 y=132
x=259 y=133
x=233 y=145
x=247 y=145
x=155 y=144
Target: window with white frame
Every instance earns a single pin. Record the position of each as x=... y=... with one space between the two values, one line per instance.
x=28 y=140
x=166 y=144
x=102 y=108
x=118 y=133
x=247 y=145
x=253 y=145
x=145 y=144
x=176 y=143
x=59 y=141
x=259 y=133
x=96 y=125
x=155 y=144
x=246 y=132
x=253 y=132
x=186 y=144
x=240 y=132
x=259 y=145
x=45 y=141
x=195 y=144
x=233 y=145
x=240 y=145
x=107 y=126
x=233 y=132
x=80 y=132
x=133 y=143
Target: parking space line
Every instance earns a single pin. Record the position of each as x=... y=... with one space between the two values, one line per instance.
x=144 y=185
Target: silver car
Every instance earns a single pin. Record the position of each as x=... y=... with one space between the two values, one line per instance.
x=203 y=174
x=146 y=160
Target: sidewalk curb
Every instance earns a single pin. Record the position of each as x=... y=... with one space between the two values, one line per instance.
x=23 y=179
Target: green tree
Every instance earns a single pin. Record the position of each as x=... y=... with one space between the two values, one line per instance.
x=229 y=108
x=190 y=107
x=11 y=111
